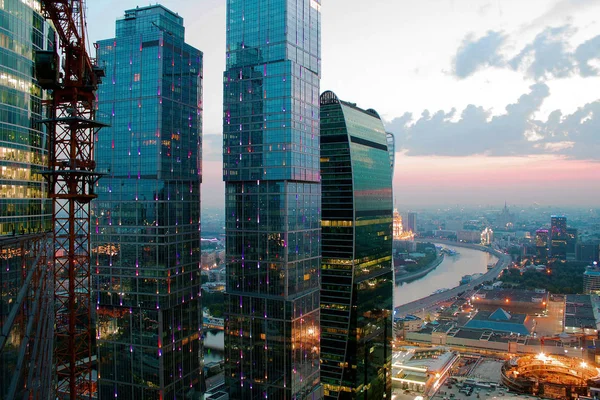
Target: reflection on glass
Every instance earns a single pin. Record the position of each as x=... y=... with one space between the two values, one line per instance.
x=357 y=277
x=146 y=219
x=273 y=196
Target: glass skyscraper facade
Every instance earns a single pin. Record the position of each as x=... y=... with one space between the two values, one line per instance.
x=24 y=203
x=273 y=195
x=146 y=220
x=542 y=244
x=558 y=237
x=26 y=282
x=356 y=270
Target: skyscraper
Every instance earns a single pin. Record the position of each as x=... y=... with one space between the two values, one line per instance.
x=272 y=199
x=558 y=237
x=411 y=222
x=571 y=242
x=356 y=271
x=588 y=251
x=505 y=220
x=397 y=227
x=146 y=240
x=541 y=244
x=26 y=301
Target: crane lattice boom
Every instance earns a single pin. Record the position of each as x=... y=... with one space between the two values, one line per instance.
x=71 y=174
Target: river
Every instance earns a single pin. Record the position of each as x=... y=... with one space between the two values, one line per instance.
x=213 y=345
x=446 y=275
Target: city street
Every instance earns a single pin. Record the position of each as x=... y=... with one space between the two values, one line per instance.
x=553 y=323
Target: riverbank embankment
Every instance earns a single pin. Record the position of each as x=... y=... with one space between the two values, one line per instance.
x=419 y=274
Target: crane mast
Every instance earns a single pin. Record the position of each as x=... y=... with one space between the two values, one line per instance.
x=71 y=122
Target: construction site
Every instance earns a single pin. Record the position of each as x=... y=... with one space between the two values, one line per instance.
x=552 y=377
x=519 y=346
x=441 y=373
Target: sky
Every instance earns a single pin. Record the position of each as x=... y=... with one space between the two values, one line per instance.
x=489 y=100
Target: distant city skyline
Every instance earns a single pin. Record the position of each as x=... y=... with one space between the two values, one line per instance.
x=516 y=84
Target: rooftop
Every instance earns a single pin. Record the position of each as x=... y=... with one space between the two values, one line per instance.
x=150 y=9
x=500 y=320
x=422 y=359
x=572 y=321
x=580 y=299
x=525 y=296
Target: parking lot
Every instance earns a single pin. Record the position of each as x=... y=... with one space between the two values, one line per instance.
x=551 y=324
x=457 y=392
x=472 y=377
x=482 y=382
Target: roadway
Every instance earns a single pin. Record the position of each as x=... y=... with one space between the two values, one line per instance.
x=430 y=301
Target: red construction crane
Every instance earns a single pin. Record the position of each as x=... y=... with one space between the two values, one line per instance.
x=71 y=175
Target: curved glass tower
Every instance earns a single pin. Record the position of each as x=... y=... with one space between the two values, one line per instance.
x=26 y=300
x=273 y=195
x=146 y=241
x=356 y=270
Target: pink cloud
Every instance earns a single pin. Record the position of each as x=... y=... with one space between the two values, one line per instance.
x=480 y=179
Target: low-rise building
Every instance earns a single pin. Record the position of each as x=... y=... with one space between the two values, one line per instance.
x=512 y=300
x=468 y=236
x=217 y=275
x=502 y=321
x=455 y=337
x=417 y=368
x=591 y=280
x=409 y=323
x=579 y=314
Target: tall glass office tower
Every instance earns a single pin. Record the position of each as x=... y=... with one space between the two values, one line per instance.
x=273 y=195
x=356 y=272
x=26 y=282
x=146 y=239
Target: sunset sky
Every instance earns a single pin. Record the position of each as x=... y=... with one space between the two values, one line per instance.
x=490 y=100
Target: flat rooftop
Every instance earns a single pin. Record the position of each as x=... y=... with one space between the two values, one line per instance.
x=579 y=312
x=576 y=322
x=579 y=299
x=431 y=359
x=523 y=296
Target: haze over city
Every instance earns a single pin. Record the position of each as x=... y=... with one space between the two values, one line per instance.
x=489 y=100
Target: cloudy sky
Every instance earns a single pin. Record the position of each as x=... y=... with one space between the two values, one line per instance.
x=490 y=100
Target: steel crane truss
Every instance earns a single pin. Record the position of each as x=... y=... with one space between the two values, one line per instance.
x=71 y=125
x=71 y=181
